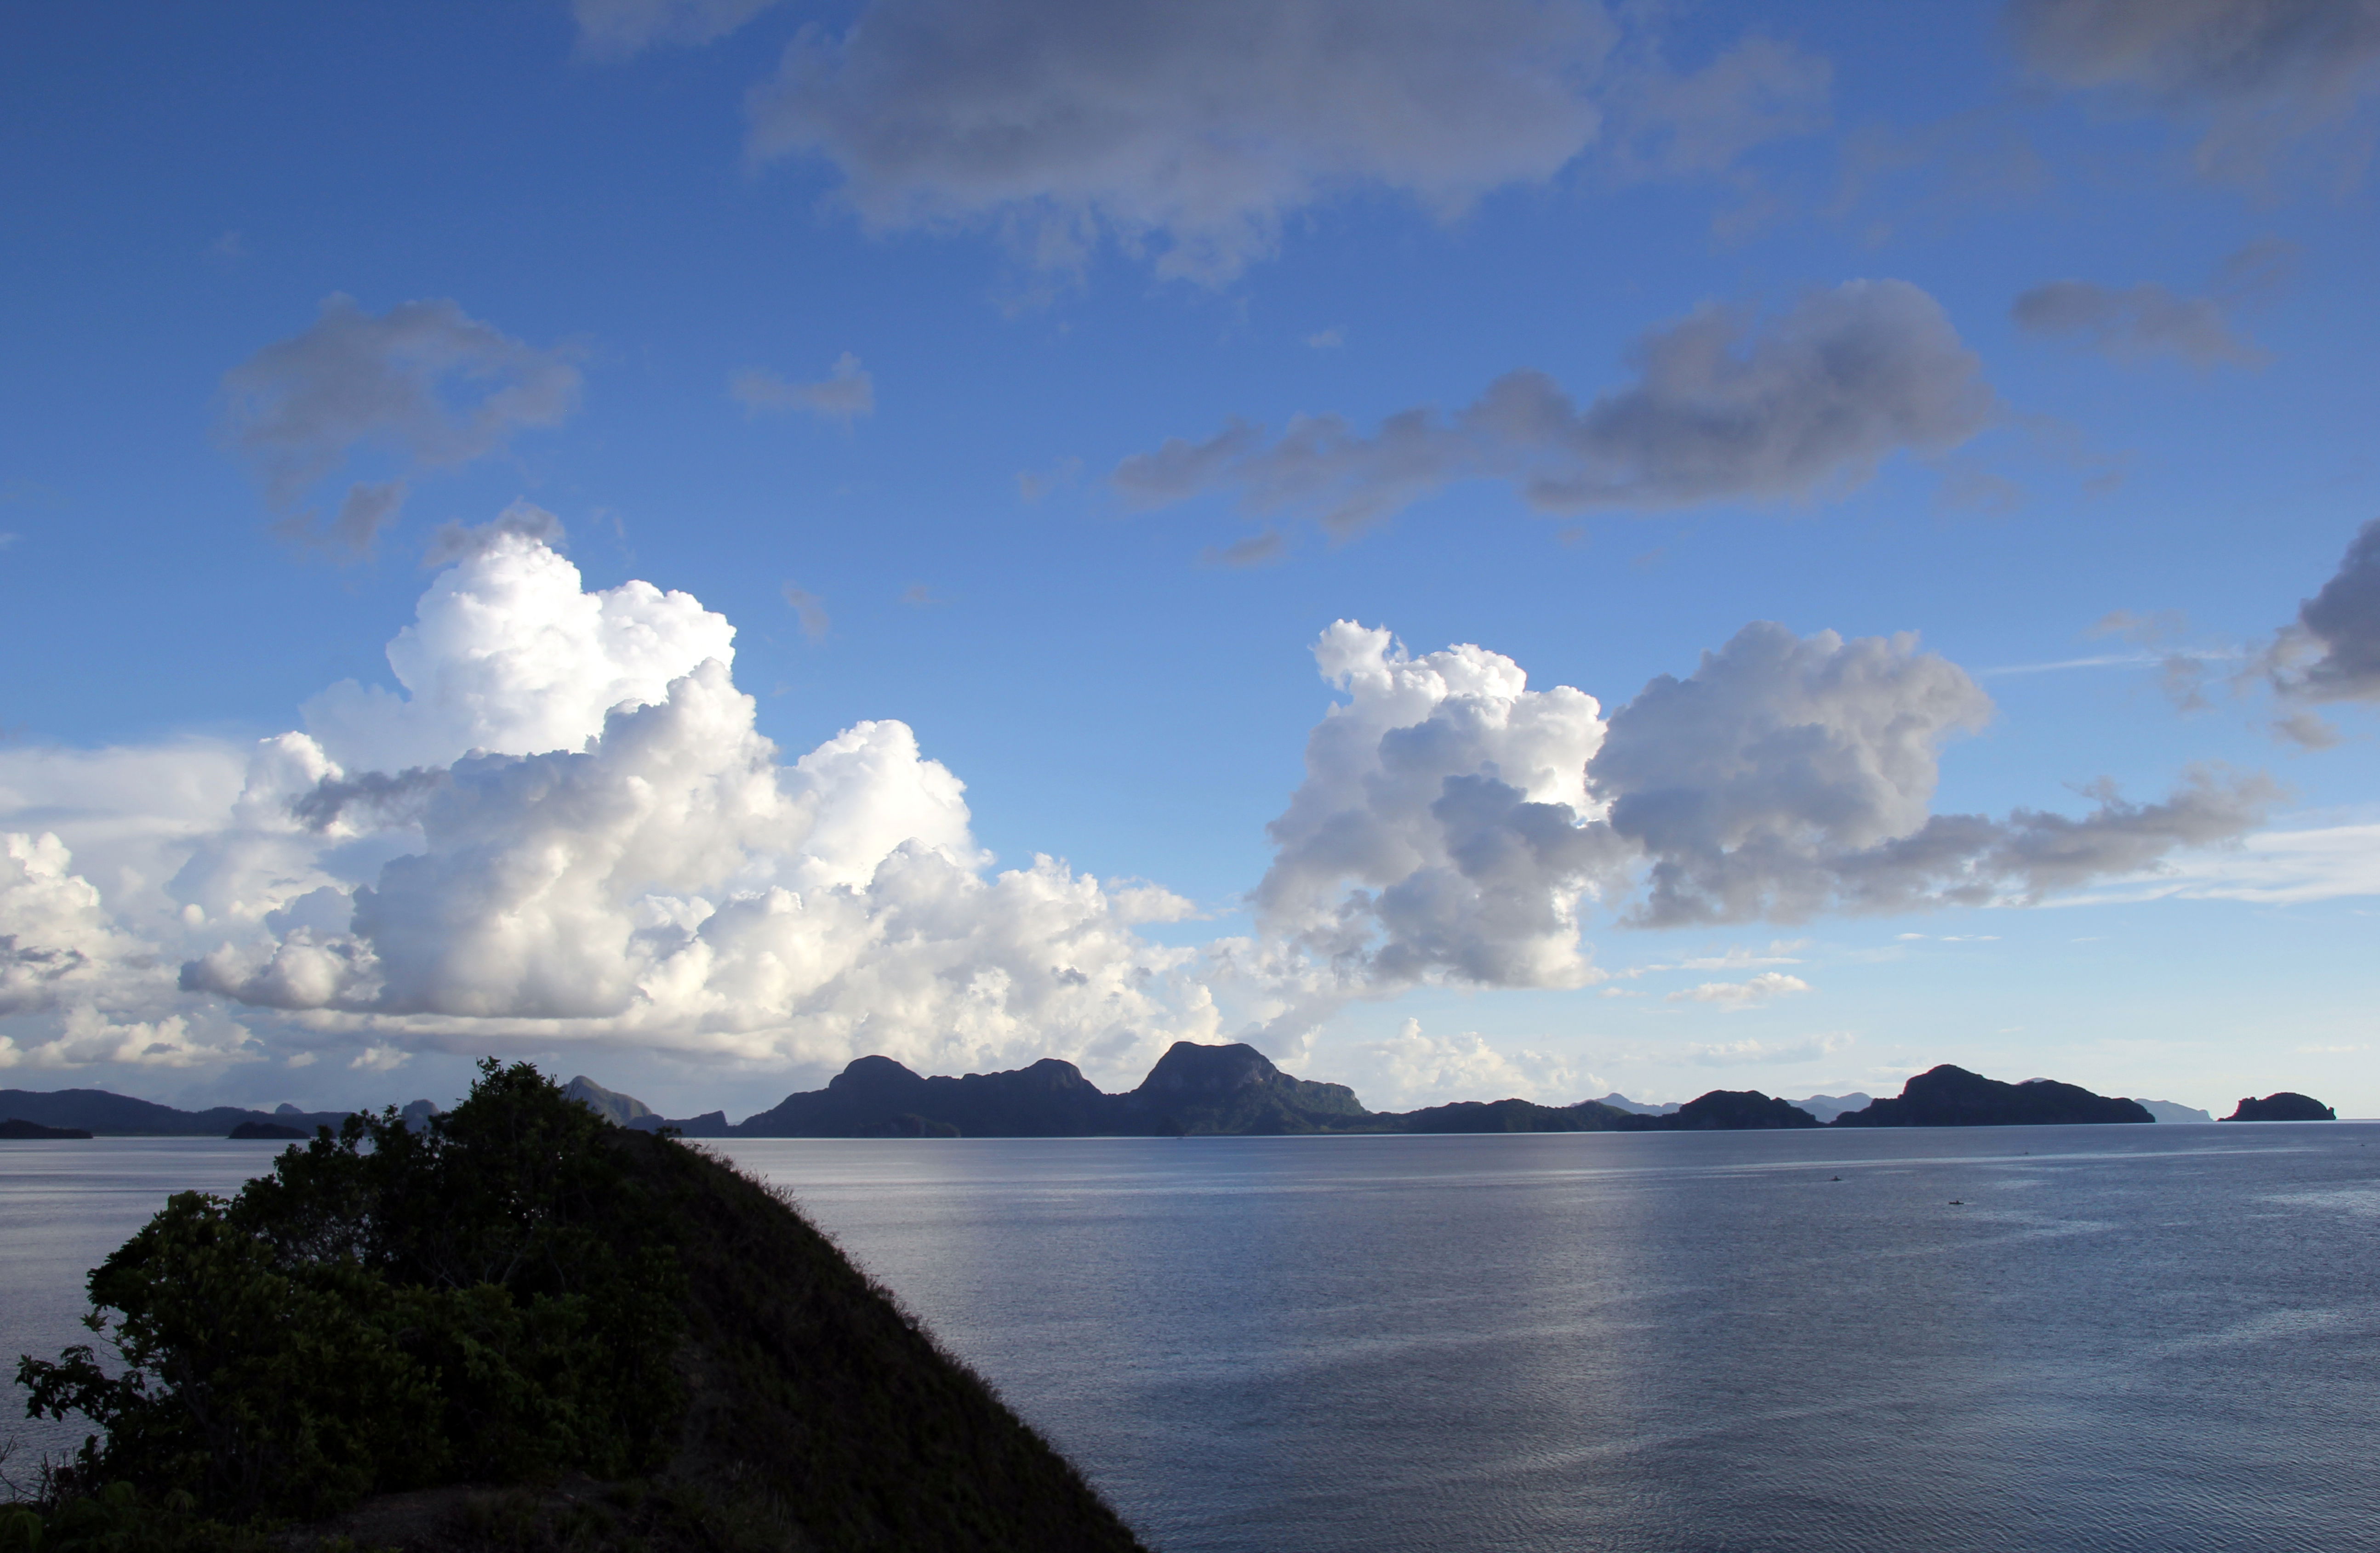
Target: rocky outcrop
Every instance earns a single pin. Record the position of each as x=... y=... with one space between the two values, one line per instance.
x=1733 y=1111
x=2287 y=1105
x=621 y=1111
x=1235 y=1089
x=1519 y=1116
x=1951 y=1097
x=1050 y=1099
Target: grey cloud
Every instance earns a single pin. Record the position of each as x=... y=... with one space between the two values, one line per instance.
x=811 y=609
x=1703 y=122
x=1515 y=867
x=351 y=533
x=422 y=383
x=2333 y=651
x=2262 y=70
x=388 y=799
x=1266 y=548
x=1190 y=131
x=2306 y=731
x=30 y=975
x=2134 y=321
x=2137 y=322
x=2040 y=852
x=1724 y=408
x=1033 y=484
x=1788 y=776
x=615 y=29
x=524 y=520
x=843 y=393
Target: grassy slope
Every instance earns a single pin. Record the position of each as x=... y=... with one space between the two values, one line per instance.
x=812 y=1388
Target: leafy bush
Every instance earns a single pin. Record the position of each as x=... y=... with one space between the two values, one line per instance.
x=488 y=1299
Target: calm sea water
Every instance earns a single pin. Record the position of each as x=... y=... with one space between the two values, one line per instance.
x=2115 y=1338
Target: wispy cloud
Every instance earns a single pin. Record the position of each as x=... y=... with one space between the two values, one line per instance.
x=846 y=393
x=422 y=381
x=1768 y=986
x=1730 y=1054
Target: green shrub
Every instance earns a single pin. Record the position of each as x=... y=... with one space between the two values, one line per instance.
x=488 y=1299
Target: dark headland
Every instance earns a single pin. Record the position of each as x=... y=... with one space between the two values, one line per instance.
x=520 y=1326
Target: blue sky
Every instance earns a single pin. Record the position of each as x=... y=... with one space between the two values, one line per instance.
x=1031 y=386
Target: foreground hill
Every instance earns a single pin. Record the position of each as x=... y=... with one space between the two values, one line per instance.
x=658 y=1351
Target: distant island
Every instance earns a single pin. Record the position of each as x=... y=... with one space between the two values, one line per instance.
x=1236 y=1091
x=16 y=1128
x=1197 y=1091
x=260 y=1131
x=2283 y=1106
x=1194 y=1091
x=98 y=1111
x=1951 y=1097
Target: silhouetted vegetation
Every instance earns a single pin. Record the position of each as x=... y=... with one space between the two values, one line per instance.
x=658 y=1351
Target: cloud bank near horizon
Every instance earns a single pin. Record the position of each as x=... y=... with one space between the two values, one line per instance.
x=562 y=828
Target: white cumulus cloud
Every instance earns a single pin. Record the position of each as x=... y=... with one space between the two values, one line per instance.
x=1456 y=826
x=566 y=828
x=508 y=654
x=1413 y=1069
x=1438 y=830
x=563 y=827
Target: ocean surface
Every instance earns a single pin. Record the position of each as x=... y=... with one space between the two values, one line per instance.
x=2158 y=1338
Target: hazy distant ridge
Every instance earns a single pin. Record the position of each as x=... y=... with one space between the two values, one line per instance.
x=1237 y=1090
x=1231 y=1090
x=107 y=1115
